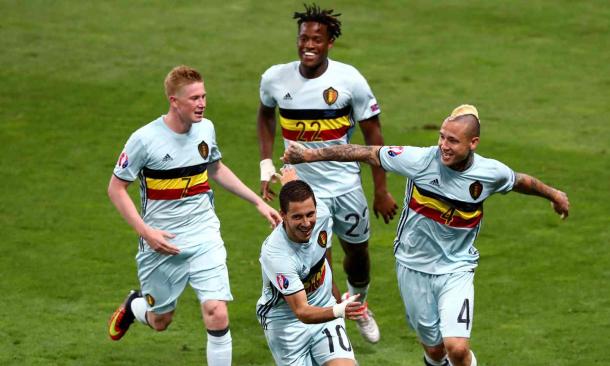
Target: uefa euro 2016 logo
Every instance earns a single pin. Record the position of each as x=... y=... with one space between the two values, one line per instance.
x=394 y=151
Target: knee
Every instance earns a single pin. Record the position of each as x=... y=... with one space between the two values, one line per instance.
x=159 y=324
x=215 y=315
x=459 y=352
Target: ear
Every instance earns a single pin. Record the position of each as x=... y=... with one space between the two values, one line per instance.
x=331 y=44
x=474 y=142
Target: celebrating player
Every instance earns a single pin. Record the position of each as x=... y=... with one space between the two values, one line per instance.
x=434 y=247
x=303 y=323
x=320 y=101
x=180 y=241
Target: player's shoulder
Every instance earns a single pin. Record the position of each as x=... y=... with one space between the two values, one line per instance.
x=149 y=130
x=491 y=168
x=342 y=68
x=280 y=70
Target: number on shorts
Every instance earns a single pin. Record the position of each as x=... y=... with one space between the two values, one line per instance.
x=355 y=216
x=464 y=316
x=340 y=332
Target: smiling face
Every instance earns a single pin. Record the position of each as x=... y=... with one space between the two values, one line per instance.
x=299 y=220
x=313 y=44
x=189 y=102
x=456 y=142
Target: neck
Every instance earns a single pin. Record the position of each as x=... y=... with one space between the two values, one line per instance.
x=312 y=73
x=464 y=164
x=175 y=123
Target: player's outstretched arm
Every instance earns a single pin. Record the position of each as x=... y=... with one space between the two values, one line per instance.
x=229 y=181
x=156 y=239
x=297 y=153
x=383 y=202
x=308 y=314
x=527 y=184
x=265 y=127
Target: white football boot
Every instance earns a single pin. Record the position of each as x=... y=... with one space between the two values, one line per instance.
x=367 y=326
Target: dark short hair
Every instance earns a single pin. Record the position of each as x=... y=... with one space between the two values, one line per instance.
x=295 y=191
x=474 y=126
x=313 y=13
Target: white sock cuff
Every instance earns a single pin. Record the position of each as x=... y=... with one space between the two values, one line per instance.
x=474 y=359
x=216 y=338
x=139 y=309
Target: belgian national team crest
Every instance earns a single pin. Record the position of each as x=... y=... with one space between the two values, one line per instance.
x=330 y=95
x=150 y=300
x=322 y=239
x=204 y=150
x=476 y=189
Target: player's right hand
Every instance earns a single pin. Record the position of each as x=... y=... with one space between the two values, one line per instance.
x=294 y=153
x=561 y=204
x=268 y=175
x=157 y=240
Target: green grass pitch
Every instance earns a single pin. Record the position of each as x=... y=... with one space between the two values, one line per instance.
x=76 y=78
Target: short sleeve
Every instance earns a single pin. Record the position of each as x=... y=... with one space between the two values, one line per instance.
x=505 y=178
x=215 y=153
x=405 y=160
x=364 y=103
x=132 y=159
x=282 y=273
x=266 y=90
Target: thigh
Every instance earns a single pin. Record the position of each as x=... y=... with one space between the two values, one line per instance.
x=330 y=341
x=290 y=344
x=421 y=308
x=162 y=280
x=456 y=305
x=351 y=217
x=208 y=274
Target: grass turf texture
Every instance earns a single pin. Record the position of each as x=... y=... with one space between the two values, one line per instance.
x=77 y=78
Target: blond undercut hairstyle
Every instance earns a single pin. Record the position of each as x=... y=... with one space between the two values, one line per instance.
x=180 y=76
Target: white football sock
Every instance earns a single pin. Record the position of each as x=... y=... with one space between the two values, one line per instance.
x=139 y=308
x=363 y=291
x=219 y=347
x=474 y=359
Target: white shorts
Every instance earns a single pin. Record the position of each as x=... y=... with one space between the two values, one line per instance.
x=309 y=344
x=437 y=306
x=164 y=277
x=350 y=215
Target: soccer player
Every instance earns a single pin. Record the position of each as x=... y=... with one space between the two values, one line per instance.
x=173 y=157
x=320 y=102
x=434 y=246
x=302 y=322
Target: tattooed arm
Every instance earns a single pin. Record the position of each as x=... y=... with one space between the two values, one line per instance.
x=297 y=153
x=527 y=184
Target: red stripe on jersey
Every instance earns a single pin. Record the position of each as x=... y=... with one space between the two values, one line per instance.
x=174 y=194
x=445 y=218
x=323 y=135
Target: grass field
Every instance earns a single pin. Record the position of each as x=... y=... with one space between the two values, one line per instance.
x=76 y=78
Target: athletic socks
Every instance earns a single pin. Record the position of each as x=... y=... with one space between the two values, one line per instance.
x=474 y=359
x=430 y=362
x=363 y=291
x=219 y=347
x=139 y=308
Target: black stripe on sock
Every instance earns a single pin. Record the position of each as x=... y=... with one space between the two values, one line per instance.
x=218 y=333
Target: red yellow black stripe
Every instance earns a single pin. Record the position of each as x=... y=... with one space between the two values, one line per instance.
x=445 y=211
x=315 y=124
x=176 y=183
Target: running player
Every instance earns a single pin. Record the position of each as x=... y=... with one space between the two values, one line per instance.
x=302 y=322
x=173 y=157
x=320 y=102
x=434 y=246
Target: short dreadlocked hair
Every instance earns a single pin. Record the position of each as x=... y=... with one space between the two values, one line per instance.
x=313 y=13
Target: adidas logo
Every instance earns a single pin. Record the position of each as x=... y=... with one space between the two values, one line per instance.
x=435 y=182
x=287 y=96
x=166 y=158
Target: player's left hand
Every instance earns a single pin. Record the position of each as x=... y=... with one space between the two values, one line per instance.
x=269 y=213
x=561 y=204
x=288 y=174
x=384 y=204
x=294 y=153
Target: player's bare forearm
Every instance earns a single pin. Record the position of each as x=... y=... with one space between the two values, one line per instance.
x=296 y=154
x=527 y=184
x=371 y=130
x=266 y=130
